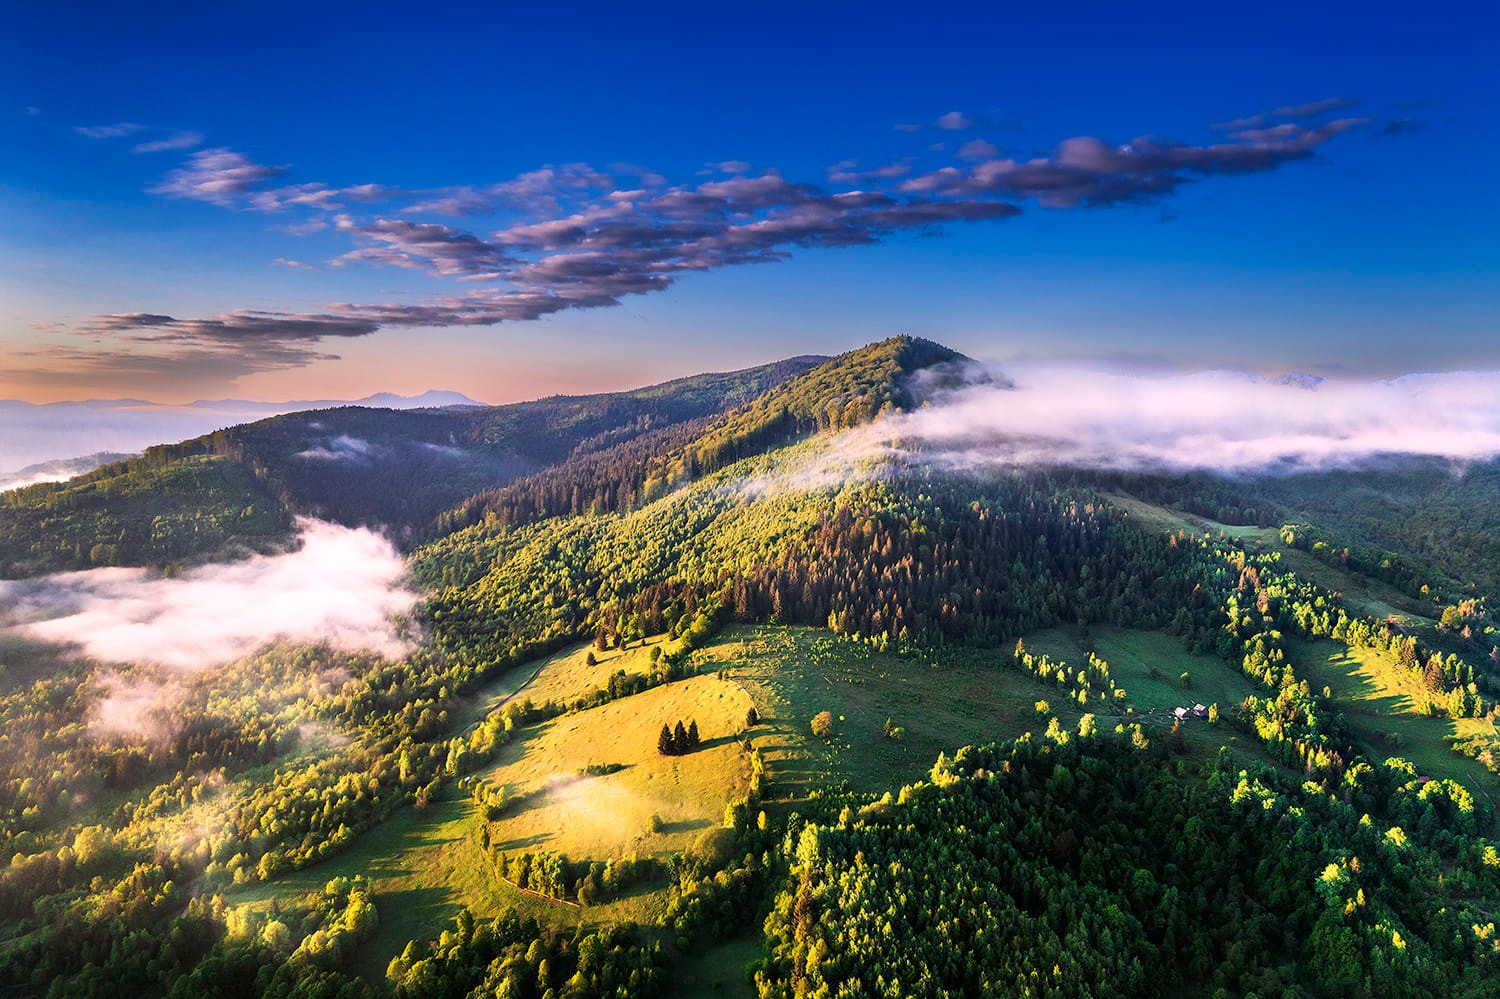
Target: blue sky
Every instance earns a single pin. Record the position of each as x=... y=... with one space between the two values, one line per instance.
x=202 y=203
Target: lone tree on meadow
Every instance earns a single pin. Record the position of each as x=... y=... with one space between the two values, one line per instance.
x=822 y=724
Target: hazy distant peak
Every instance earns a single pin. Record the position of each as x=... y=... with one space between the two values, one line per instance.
x=431 y=399
x=1301 y=379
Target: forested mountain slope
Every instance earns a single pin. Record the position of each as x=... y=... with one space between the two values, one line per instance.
x=393 y=468
x=699 y=700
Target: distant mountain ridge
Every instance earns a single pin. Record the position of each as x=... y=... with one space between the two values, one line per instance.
x=58 y=469
x=241 y=484
x=35 y=433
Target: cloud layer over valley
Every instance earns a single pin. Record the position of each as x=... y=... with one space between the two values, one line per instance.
x=1220 y=421
x=342 y=586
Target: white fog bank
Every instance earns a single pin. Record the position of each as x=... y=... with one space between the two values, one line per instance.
x=1218 y=421
x=342 y=586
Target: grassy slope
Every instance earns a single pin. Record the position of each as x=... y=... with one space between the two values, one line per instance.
x=1362 y=594
x=794 y=673
x=603 y=817
x=424 y=865
x=1379 y=700
x=1148 y=665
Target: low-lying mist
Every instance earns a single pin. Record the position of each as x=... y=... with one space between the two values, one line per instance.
x=1217 y=421
x=343 y=586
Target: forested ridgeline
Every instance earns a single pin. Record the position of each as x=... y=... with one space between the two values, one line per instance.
x=139 y=513
x=847 y=391
x=1407 y=521
x=242 y=485
x=1438 y=515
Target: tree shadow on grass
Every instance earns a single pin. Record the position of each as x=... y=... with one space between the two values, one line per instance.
x=407 y=914
x=1356 y=685
x=723 y=740
x=685 y=825
x=521 y=842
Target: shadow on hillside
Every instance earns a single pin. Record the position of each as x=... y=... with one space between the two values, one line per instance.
x=686 y=825
x=528 y=801
x=431 y=906
x=1357 y=685
x=521 y=842
x=723 y=740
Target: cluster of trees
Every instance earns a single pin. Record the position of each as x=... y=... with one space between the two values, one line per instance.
x=147 y=934
x=1088 y=866
x=1085 y=684
x=511 y=956
x=1388 y=567
x=955 y=561
x=493 y=801
x=588 y=882
x=679 y=740
x=1268 y=599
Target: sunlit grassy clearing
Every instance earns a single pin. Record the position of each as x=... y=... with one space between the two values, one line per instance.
x=1381 y=702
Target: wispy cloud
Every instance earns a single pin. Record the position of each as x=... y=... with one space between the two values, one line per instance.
x=849 y=172
x=218 y=176
x=578 y=237
x=978 y=149
x=177 y=140
x=430 y=246
x=169 y=138
x=116 y=131
x=1088 y=172
x=1314 y=108
x=1310 y=109
x=343 y=449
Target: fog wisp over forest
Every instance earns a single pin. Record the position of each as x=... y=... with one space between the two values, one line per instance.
x=1224 y=421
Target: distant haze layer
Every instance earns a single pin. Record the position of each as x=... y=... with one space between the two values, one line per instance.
x=31 y=434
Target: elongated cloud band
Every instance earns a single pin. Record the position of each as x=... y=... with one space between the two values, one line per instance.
x=1219 y=421
x=577 y=237
x=342 y=586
